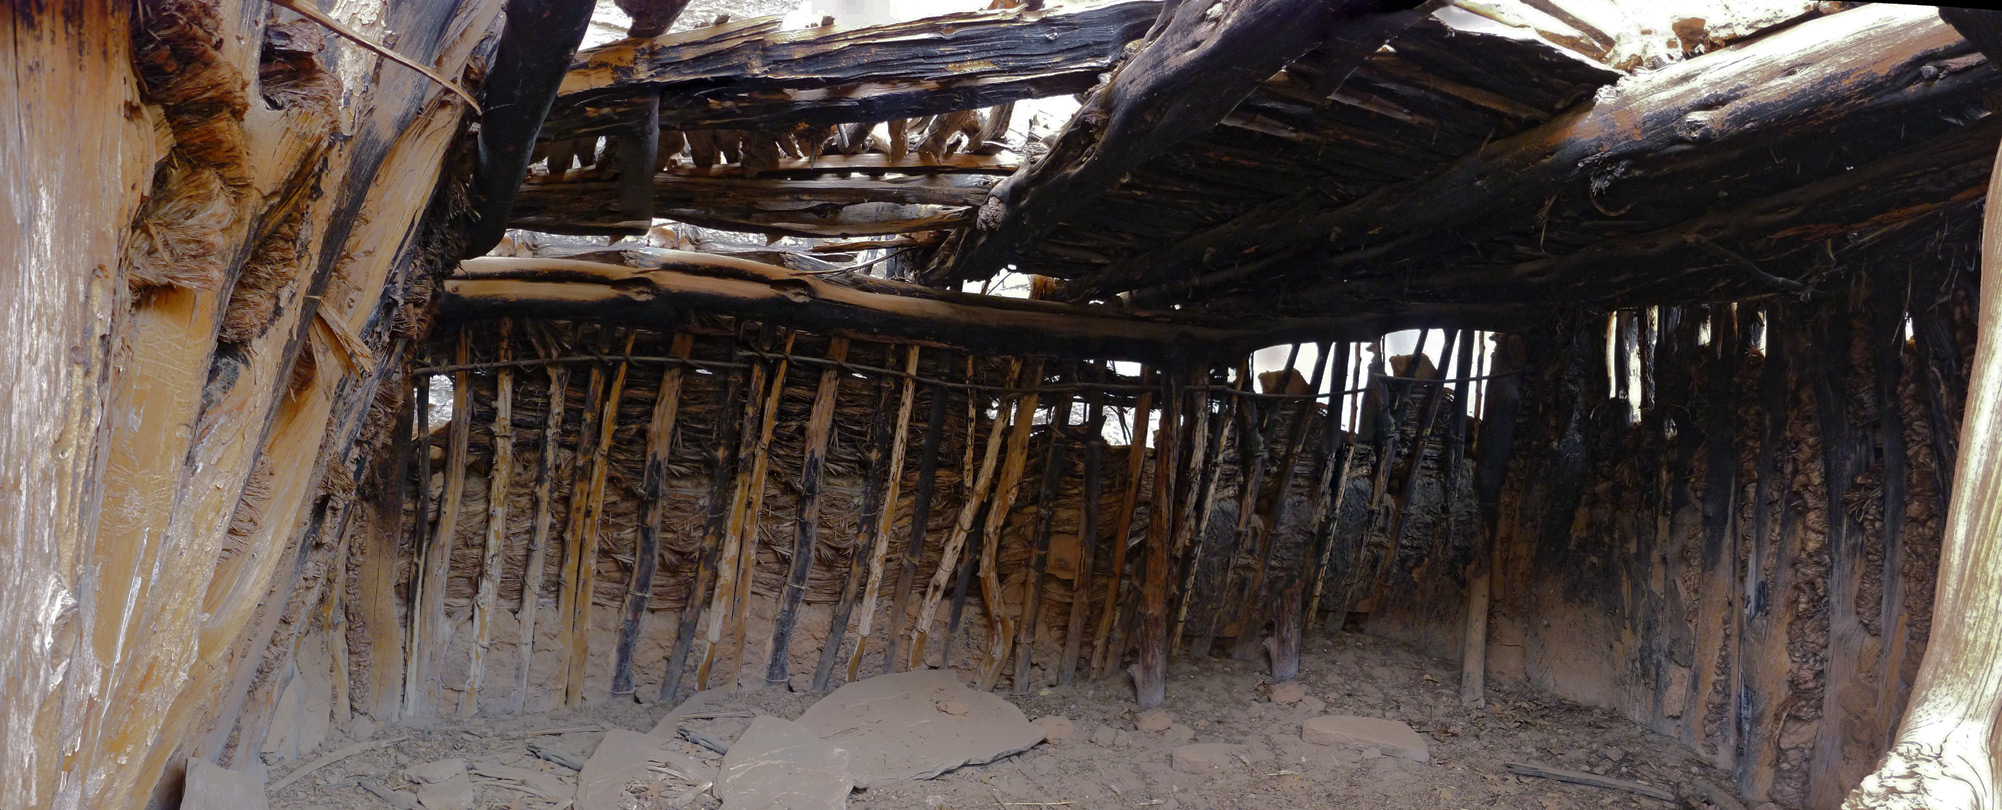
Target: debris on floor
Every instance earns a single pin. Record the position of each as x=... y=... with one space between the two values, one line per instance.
x=783 y=765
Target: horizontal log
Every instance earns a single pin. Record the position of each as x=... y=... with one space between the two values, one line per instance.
x=878 y=308
x=1799 y=83
x=853 y=206
x=866 y=163
x=751 y=75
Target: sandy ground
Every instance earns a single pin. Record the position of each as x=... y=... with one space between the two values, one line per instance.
x=1108 y=763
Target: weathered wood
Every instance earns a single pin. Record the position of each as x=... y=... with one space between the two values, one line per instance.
x=1284 y=649
x=1150 y=672
x=1253 y=448
x=920 y=518
x=1591 y=780
x=431 y=625
x=882 y=521
x=813 y=207
x=717 y=512
x=529 y=64
x=877 y=308
x=1198 y=63
x=752 y=500
x=869 y=529
x=1055 y=466
x=420 y=537
x=1107 y=650
x=1205 y=494
x=834 y=75
x=1941 y=757
x=1007 y=486
x=1328 y=474
x=499 y=481
x=583 y=567
x=380 y=564
x=558 y=392
x=1719 y=558
x=653 y=480
x=969 y=510
x=869 y=163
x=806 y=528
x=1087 y=534
x=1428 y=415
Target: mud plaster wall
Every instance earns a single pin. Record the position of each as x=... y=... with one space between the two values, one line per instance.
x=1772 y=625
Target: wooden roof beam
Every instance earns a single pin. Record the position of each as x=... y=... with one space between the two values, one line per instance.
x=819 y=207
x=875 y=308
x=1192 y=72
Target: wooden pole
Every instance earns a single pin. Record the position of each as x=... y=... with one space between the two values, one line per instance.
x=806 y=535
x=914 y=547
x=1428 y=414
x=718 y=509
x=969 y=510
x=1087 y=535
x=432 y=627
x=584 y=571
x=538 y=543
x=1497 y=439
x=724 y=601
x=420 y=534
x=573 y=530
x=966 y=478
x=646 y=554
x=1106 y=652
x=1328 y=475
x=1284 y=649
x=885 y=519
x=1007 y=485
x=869 y=528
x=1150 y=673
x=1055 y=465
x=1205 y=495
x=1252 y=449
x=499 y=480
x=754 y=509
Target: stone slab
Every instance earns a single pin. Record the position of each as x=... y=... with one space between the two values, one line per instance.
x=898 y=727
x=1389 y=736
x=782 y=765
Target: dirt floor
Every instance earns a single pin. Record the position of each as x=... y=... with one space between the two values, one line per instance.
x=1106 y=762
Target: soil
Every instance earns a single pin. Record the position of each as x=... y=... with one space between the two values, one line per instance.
x=1107 y=763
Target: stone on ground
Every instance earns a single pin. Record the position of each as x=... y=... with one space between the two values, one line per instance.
x=1388 y=736
x=455 y=793
x=896 y=727
x=1204 y=757
x=1104 y=735
x=1056 y=728
x=1288 y=692
x=213 y=787
x=782 y=765
x=1179 y=733
x=1311 y=706
x=1153 y=720
x=622 y=757
x=431 y=773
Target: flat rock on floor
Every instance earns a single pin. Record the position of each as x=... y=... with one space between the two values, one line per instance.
x=1389 y=736
x=782 y=765
x=894 y=728
x=213 y=787
x=622 y=756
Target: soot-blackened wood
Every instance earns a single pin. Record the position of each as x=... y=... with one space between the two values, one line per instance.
x=1715 y=607
x=584 y=568
x=1107 y=650
x=1329 y=474
x=1055 y=465
x=1755 y=593
x=885 y=514
x=1942 y=378
x=751 y=76
x=1845 y=450
x=869 y=528
x=1251 y=609
x=1251 y=450
x=1150 y=672
x=806 y=535
x=558 y=393
x=1200 y=61
x=812 y=207
x=1428 y=415
x=722 y=460
x=752 y=509
x=1886 y=338
x=500 y=477
x=646 y=554
x=651 y=18
x=1205 y=495
x=1497 y=442
x=637 y=153
x=1087 y=532
x=1799 y=80
x=914 y=546
x=1284 y=647
x=536 y=44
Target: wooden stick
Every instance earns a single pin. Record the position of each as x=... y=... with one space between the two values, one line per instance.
x=724 y=599
x=646 y=553
x=1103 y=655
x=420 y=531
x=966 y=478
x=1205 y=495
x=436 y=565
x=500 y=478
x=1590 y=780
x=585 y=571
x=1252 y=451
x=885 y=520
x=1327 y=515
x=869 y=530
x=573 y=529
x=722 y=455
x=920 y=516
x=1150 y=672
x=969 y=510
x=1284 y=648
x=538 y=543
x=754 y=508
x=1055 y=464
x=1007 y=485
x=1087 y=534
x=806 y=535
x=1427 y=416
x=960 y=587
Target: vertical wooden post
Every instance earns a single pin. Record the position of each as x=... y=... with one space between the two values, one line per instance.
x=1284 y=648
x=753 y=510
x=1194 y=520
x=722 y=459
x=969 y=510
x=538 y=543
x=1150 y=673
x=914 y=548
x=653 y=479
x=807 y=528
x=869 y=527
x=584 y=569
x=1087 y=533
x=1327 y=506
x=1497 y=441
x=428 y=641
x=499 y=481
x=884 y=521
x=1007 y=485
x=1252 y=450
x=724 y=599
x=1887 y=338
x=1107 y=651
x=1055 y=465
x=573 y=526
x=1719 y=559
x=420 y=535
x=1428 y=414
x=381 y=563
